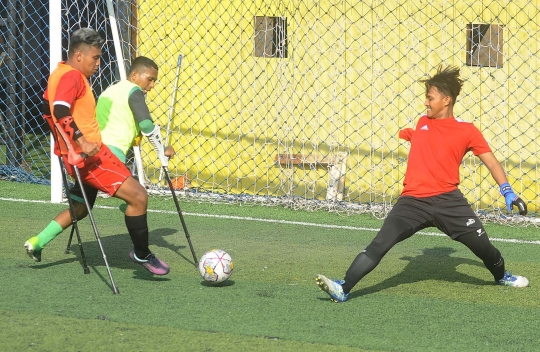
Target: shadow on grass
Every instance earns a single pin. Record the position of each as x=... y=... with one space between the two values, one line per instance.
x=116 y=249
x=42 y=265
x=143 y=274
x=434 y=264
x=221 y=284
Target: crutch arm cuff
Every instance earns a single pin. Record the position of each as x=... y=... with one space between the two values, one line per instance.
x=155 y=138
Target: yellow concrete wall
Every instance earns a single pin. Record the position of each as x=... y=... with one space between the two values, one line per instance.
x=349 y=84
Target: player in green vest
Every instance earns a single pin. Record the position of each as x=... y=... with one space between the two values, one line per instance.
x=122 y=112
x=122 y=107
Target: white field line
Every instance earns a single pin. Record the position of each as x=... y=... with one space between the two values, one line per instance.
x=286 y=222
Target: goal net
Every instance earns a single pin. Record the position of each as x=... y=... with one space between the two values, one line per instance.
x=300 y=103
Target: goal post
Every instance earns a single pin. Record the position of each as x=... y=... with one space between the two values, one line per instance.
x=55 y=39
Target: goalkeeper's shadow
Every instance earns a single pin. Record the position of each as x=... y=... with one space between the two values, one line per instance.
x=433 y=264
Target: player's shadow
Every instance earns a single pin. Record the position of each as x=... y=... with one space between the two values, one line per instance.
x=157 y=238
x=433 y=264
x=116 y=249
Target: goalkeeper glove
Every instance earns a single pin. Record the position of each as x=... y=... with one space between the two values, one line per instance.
x=512 y=199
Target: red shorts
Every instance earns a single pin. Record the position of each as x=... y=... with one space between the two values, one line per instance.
x=103 y=171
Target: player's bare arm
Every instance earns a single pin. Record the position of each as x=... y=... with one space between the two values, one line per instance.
x=494 y=167
x=510 y=197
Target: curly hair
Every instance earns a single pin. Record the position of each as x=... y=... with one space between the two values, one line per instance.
x=447 y=81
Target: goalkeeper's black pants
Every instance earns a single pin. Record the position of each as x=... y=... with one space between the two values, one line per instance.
x=449 y=212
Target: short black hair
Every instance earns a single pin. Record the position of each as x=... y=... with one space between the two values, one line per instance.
x=447 y=81
x=84 y=36
x=140 y=63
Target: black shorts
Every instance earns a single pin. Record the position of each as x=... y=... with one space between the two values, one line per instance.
x=449 y=212
x=77 y=196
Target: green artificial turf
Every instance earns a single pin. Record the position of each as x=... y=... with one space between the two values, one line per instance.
x=429 y=293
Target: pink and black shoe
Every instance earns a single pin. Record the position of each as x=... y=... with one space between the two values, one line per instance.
x=151 y=263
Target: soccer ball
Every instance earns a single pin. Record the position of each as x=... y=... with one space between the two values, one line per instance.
x=216 y=266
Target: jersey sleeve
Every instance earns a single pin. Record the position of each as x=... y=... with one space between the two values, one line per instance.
x=477 y=143
x=70 y=88
x=406 y=134
x=138 y=106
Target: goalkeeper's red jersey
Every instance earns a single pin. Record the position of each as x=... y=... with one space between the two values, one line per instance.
x=437 y=150
x=67 y=86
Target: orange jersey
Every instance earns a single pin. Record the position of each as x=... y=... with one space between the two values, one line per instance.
x=67 y=86
x=437 y=150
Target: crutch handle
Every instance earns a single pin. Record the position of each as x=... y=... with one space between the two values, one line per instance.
x=74 y=158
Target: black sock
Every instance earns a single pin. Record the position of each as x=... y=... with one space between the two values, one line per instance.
x=138 y=231
x=360 y=267
x=497 y=270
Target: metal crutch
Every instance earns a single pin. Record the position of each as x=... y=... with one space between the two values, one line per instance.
x=74 y=160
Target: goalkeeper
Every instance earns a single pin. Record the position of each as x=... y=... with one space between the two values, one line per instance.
x=69 y=101
x=431 y=197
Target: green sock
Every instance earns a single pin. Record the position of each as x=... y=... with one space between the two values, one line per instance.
x=49 y=233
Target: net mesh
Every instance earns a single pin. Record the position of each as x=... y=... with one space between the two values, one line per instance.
x=291 y=102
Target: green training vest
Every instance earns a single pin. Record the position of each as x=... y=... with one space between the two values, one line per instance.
x=116 y=121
